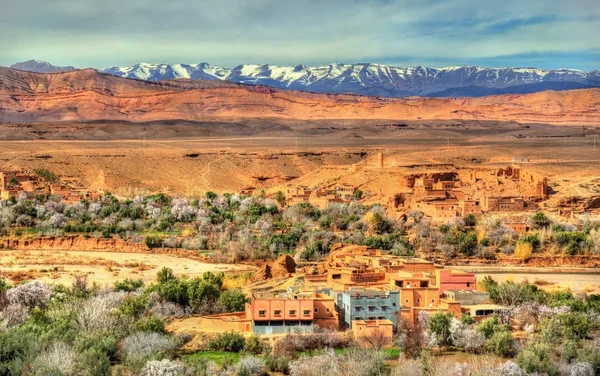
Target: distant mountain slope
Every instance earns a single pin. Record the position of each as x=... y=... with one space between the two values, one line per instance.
x=375 y=79
x=40 y=67
x=88 y=95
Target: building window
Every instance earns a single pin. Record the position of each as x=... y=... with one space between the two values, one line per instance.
x=292 y=312
x=372 y=308
x=316 y=310
x=418 y=300
x=393 y=304
x=384 y=308
x=277 y=312
x=357 y=309
x=327 y=309
x=261 y=313
x=306 y=312
x=468 y=284
x=406 y=301
x=433 y=300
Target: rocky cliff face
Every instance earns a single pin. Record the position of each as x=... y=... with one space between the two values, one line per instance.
x=87 y=95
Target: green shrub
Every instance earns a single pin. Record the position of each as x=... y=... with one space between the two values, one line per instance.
x=229 y=341
x=128 y=285
x=151 y=324
x=17 y=348
x=92 y=362
x=536 y=358
x=153 y=241
x=488 y=326
x=279 y=364
x=501 y=342
x=165 y=274
x=255 y=346
x=467 y=319
x=468 y=244
x=104 y=341
x=233 y=300
x=540 y=220
x=133 y=306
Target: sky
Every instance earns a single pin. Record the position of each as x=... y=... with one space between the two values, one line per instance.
x=99 y=33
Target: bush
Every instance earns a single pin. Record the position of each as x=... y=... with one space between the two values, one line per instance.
x=128 y=285
x=153 y=241
x=229 y=341
x=151 y=324
x=165 y=275
x=539 y=220
x=250 y=366
x=523 y=251
x=501 y=342
x=254 y=346
x=468 y=244
x=92 y=362
x=233 y=300
x=145 y=345
x=31 y=294
x=105 y=342
x=17 y=347
x=59 y=356
x=536 y=358
x=279 y=364
x=163 y=367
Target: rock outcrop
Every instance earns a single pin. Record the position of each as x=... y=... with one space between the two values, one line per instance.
x=283 y=267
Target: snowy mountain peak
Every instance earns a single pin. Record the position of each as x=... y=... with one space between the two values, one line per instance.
x=375 y=79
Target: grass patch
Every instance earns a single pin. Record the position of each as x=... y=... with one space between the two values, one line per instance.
x=218 y=357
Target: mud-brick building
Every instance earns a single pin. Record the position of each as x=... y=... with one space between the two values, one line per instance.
x=504 y=204
x=455 y=280
x=279 y=315
x=276 y=315
x=365 y=329
x=367 y=305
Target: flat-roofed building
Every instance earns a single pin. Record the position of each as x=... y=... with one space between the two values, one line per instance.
x=362 y=304
x=368 y=331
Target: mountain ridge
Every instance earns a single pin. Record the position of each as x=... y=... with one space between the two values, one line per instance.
x=89 y=95
x=373 y=79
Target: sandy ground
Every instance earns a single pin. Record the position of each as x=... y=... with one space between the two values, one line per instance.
x=192 y=166
x=576 y=280
x=101 y=267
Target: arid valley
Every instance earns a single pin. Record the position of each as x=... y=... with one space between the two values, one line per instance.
x=422 y=198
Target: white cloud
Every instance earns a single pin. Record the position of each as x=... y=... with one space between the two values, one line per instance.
x=231 y=32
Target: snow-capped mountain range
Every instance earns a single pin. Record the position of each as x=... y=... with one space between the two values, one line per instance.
x=375 y=79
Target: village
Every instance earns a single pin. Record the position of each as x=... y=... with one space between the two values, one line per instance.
x=356 y=289
x=29 y=184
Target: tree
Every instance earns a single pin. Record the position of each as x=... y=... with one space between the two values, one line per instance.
x=358 y=194
x=470 y=220
x=501 y=342
x=439 y=324
x=467 y=244
x=233 y=300
x=539 y=220
x=280 y=198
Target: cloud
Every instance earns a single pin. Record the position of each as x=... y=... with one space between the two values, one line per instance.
x=230 y=32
